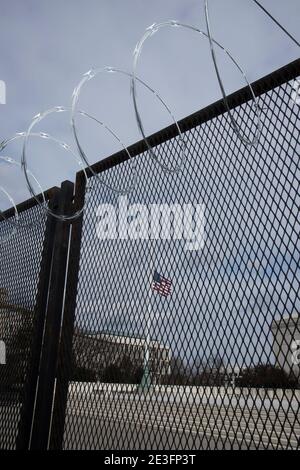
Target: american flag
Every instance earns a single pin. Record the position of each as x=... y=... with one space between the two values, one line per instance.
x=161 y=284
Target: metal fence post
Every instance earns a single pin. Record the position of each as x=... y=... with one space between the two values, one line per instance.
x=25 y=423
x=55 y=300
x=65 y=353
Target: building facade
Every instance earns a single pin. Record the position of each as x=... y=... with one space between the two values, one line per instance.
x=13 y=318
x=100 y=351
x=286 y=343
x=16 y=328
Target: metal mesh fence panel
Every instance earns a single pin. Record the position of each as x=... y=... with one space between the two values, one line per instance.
x=214 y=364
x=19 y=273
x=181 y=306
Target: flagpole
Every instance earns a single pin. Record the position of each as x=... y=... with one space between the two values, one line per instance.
x=146 y=379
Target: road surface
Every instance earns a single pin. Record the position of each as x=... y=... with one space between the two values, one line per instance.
x=157 y=421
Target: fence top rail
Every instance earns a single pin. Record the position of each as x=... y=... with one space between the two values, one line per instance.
x=261 y=86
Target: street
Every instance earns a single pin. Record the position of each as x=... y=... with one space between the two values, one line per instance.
x=156 y=421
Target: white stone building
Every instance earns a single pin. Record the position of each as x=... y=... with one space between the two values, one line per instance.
x=286 y=343
x=97 y=351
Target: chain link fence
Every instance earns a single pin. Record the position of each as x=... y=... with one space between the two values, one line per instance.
x=21 y=258
x=222 y=371
x=214 y=363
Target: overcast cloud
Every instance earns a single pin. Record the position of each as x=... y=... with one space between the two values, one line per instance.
x=45 y=47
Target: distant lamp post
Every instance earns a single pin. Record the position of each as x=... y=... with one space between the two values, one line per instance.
x=235 y=375
x=146 y=379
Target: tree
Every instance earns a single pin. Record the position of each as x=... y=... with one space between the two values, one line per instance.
x=209 y=372
x=123 y=371
x=83 y=374
x=180 y=373
x=266 y=376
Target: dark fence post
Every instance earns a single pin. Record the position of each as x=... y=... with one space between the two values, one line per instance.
x=25 y=424
x=53 y=317
x=65 y=364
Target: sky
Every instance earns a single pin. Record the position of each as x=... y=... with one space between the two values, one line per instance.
x=46 y=47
